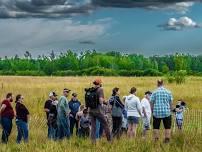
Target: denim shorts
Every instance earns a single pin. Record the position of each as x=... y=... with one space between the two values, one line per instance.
x=133 y=120
x=179 y=122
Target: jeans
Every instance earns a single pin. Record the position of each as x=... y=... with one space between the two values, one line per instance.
x=7 y=127
x=23 y=132
x=63 y=127
x=117 y=123
x=98 y=115
x=73 y=122
x=97 y=129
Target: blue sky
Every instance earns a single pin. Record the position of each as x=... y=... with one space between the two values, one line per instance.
x=149 y=30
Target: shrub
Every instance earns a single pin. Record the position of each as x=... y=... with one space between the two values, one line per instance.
x=180 y=76
x=152 y=72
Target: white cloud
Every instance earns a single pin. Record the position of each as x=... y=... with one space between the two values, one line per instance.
x=179 y=24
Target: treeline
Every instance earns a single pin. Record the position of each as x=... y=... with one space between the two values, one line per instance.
x=94 y=63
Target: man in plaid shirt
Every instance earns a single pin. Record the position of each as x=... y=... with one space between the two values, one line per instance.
x=161 y=103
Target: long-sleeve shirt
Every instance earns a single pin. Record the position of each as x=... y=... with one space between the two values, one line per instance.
x=63 y=107
x=133 y=106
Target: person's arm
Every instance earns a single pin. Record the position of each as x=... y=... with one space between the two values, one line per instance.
x=139 y=107
x=101 y=96
x=3 y=107
x=46 y=107
x=152 y=101
x=171 y=102
x=144 y=112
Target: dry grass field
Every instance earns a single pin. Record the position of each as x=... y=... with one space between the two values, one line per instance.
x=36 y=89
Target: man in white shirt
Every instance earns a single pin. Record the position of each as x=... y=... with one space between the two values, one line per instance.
x=146 y=113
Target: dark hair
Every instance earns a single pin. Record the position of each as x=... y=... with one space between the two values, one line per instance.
x=133 y=90
x=160 y=82
x=18 y=97
x=114 y=91
x=8 y=95
x=177 y=106
x=183 y=103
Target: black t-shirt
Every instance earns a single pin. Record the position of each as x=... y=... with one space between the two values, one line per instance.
x=21 y=111
x=48 y=105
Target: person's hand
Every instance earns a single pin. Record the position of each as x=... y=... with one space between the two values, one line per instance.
x=70 y=115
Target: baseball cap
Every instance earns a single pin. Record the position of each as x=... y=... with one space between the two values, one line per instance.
x=148 y=93
x=52 y=94
x=97 y=81
x=66 y=90
x=74 y=94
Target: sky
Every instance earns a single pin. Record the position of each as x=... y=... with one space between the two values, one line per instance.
x=148 y=27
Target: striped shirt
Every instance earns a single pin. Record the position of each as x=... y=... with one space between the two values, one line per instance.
x=161 y=100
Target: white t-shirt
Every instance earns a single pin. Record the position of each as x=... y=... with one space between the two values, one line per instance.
x=146 y=105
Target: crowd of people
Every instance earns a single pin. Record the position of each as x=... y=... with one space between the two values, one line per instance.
x=97 y=117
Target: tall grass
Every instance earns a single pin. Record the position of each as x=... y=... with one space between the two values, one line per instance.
x=36 y=89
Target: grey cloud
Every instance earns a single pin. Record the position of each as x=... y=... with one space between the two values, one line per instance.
x=88 y=42
x=67 y=8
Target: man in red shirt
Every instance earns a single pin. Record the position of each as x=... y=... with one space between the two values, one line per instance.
x=7 y=114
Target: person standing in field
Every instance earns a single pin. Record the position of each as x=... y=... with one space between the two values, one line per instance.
x=63 y=116
x=52 y=119
x=84 y=125
x=74 y=105
x=7 y=115
x=134 y=112
x=95 y=109
x=47 y=106
x=117 y=108
x=22 y=116
x=161 y=104
x=146 y=113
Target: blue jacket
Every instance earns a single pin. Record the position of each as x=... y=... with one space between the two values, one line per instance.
x=74 y=107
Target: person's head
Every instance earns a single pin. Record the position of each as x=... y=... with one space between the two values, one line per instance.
x=19 y=98
x=177 y=106
x=133 y=90
x=115 y=92
x=183 y=104
x=81 y=108
x=53 y=96
x=66 y=92
x=74 y=96
x=9 y=97
x=85 y=112
x=148 y=94
x=160 y=83
x=97 y=82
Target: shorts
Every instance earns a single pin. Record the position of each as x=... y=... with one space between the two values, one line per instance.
x=146 y=123
x=167 y=121
x=179 y=122
x=133 y=120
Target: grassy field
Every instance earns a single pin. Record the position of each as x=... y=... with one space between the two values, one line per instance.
x=36 y=89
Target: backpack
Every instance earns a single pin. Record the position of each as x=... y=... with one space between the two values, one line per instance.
x=116 y=110
x=91 y=98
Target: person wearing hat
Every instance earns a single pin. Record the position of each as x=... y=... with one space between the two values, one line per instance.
x=74 y=105
x=146 y=112
x=63 y=116
x=97 y=114
x=47 y=106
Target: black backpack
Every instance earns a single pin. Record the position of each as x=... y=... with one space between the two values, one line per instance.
x=91 y=98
